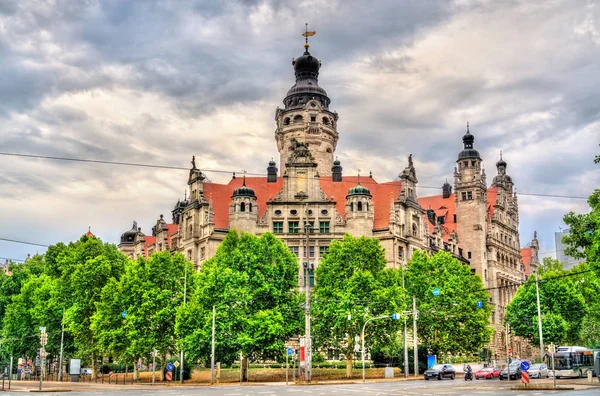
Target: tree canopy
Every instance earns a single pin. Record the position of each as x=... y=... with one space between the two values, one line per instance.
x=450 y=322
x=352 y=280
x=253 y=284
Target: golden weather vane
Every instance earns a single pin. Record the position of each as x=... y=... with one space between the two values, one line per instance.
x=307 y=34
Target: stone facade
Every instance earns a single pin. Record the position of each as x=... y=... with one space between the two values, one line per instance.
x=308 y=203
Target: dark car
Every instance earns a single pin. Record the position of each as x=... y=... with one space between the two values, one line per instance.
x=515 y=371
x=440 y=371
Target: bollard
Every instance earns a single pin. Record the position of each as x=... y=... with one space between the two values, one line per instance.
x=589 y=376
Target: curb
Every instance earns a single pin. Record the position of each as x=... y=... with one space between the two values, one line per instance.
x=540 y=387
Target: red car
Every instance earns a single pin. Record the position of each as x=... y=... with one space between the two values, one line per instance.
x=487 y=373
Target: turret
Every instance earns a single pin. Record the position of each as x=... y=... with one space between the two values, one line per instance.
x=272 y=172
x=336 y=171
x=196 y=182
x=243 y=211
x=359 y=211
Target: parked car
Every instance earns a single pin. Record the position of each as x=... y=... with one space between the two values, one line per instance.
x=487 y=373
x=515 y=371
x=440 y=371
x=86 y=371
x=539 y=370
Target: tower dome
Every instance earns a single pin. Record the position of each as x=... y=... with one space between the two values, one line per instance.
x=243 y=191
x=128 y=237
x=358 y=190
x=468 y=151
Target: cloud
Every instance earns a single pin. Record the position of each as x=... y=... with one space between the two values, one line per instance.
x=157 y=82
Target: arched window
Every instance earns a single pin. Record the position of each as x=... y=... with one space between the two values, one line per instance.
x=298 y=118
x=325 y=120
x=352 y=206
x=243 y=207
x=366 y=207
x=359 y=206
x=250 y=207
x=286 y=121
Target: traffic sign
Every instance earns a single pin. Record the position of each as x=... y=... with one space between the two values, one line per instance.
x=395 y=316
x=169 y=376
x=123 y=314
x=176 y=363
x=524 y=376
x=170 y=366
x=290 y=351
x=436 y=292
x=524 y=365
x=479 y=304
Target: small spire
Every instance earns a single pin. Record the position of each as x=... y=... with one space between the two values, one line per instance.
x=89 y=228
x=358 y=179
x=307 y=34
x=185 y=195
x=233 y=175
x=468 y=127
x=500 y=154
x=244 y=182
x=370 y=175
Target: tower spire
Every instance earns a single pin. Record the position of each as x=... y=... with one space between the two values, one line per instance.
x=306 y=35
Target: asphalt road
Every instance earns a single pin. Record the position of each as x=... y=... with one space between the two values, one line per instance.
x=445 y=387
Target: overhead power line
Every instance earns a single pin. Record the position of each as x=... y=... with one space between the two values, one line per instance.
x=365 y=180
x=23 y=242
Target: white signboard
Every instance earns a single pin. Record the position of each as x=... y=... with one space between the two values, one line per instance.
x=75 y=366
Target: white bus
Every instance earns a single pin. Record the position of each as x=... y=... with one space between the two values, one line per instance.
x=573 y=361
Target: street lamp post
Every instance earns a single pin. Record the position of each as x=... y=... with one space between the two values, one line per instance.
x=537 y=292
x=363 y=341
x=184 y=299
x=308 y=344
x=212 y=349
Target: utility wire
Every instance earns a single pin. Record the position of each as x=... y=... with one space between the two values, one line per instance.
x=364 y=181
x=23 y=242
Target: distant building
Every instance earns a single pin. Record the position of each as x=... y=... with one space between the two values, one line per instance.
x=568 y=261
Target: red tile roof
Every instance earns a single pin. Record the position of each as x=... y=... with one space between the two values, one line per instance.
x=526 y=258
x=221 y=196
x=447 y=206
x=442 y=207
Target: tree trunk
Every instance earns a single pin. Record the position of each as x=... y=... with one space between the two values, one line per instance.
x=349 y=358
x=136 y=372
x=94 y=367
x=244 y=368
x=163 y=361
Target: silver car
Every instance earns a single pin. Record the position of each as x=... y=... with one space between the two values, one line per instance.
x=539 y=370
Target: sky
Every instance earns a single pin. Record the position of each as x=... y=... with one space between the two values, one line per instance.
x=156 y=82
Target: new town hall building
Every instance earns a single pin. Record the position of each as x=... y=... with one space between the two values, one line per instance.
x=477 y=223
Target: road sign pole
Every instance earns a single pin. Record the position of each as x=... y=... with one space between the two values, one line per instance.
x=153 y=365
x=287 y=366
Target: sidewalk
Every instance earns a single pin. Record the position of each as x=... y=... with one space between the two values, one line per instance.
x=51 y=386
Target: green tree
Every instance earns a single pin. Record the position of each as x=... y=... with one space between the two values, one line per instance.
x=252 y=282
x=150 y=292
x=583 y=240
x=352 y=280
x=85 y=267
x=561 y=303
x=450 y=322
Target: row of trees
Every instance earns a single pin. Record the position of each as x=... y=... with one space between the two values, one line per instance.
x=112 y=306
